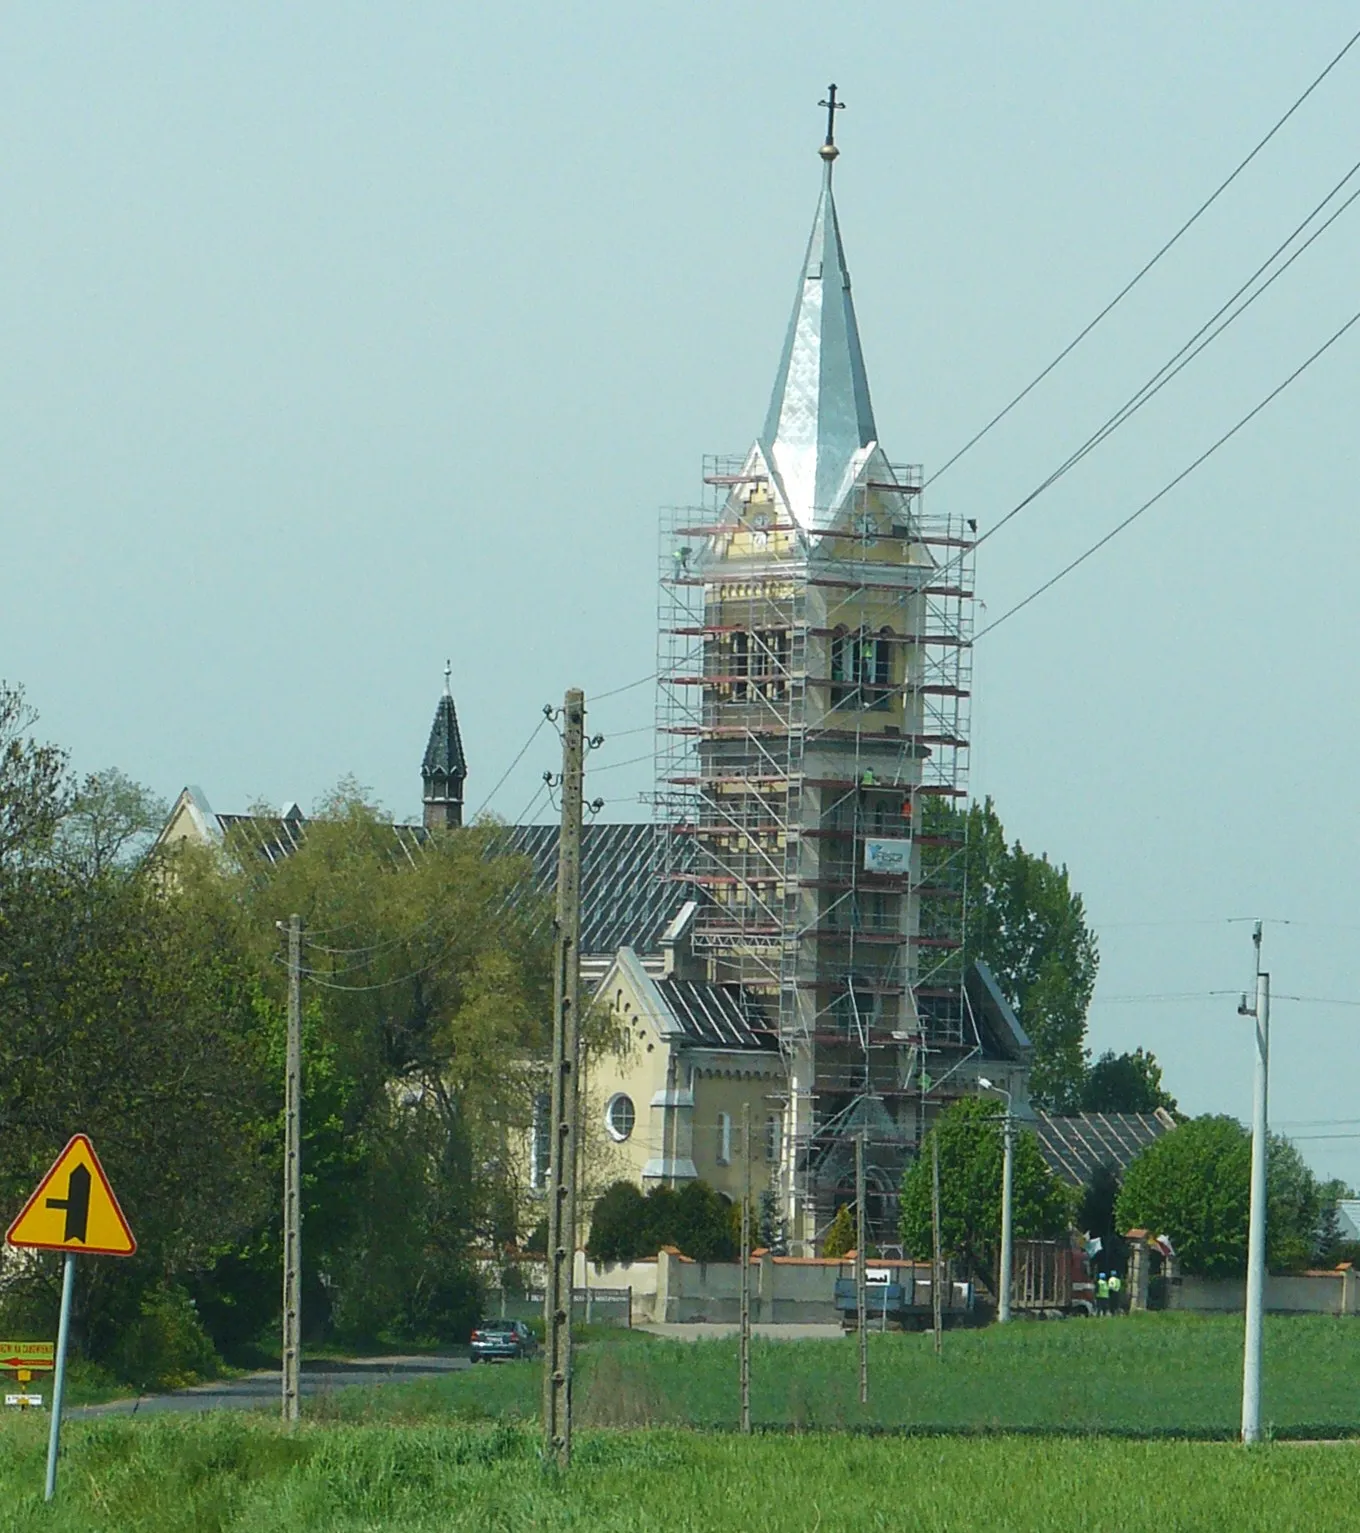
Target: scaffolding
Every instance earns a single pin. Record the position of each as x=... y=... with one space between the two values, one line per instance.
x=812 y=755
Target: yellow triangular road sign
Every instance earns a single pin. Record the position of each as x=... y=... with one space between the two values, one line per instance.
x=74 y=1209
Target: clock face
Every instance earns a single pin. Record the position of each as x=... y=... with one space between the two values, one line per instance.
x=761 y=519
x=864 y=524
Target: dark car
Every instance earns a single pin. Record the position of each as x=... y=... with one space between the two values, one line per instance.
x=493 y=1340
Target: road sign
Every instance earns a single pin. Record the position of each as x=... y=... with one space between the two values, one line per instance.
x=24 y=1401
x=28 y=1354
x=74 y=1209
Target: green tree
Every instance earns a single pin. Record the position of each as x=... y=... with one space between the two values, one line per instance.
x=1125 y=1083
x=1193 y=1185
x=840 y=1233
x=1028 y=925
x=617 y=1224
x=34 y=790
x=110 y=823
x=969 y=1134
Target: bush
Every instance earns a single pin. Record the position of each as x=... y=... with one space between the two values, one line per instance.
x=617 y=1225
x=165 y=1347
x=625 y=1225
x=840 y=1233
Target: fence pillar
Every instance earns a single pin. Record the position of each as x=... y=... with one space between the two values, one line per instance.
x=1139 y=1270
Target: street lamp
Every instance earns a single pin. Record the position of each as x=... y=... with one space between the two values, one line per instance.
x=1003 y=1298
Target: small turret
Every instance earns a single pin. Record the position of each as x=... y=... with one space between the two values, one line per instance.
x=444 y=770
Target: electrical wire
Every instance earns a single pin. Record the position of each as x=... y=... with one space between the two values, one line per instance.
x=1179 y=360
x=1145 y=269
x=642 y=681
x=613 y=766
x=1171 y=484
x=500 y=783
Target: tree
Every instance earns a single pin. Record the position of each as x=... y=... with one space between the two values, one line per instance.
x=626 y=1225
x=1193 y=1185
x=1028 y=925
x=969 y=1134
x=840 y=1233
x=110 y=822
x=616 y=1224
x=1125 y=1083
x=34 y=791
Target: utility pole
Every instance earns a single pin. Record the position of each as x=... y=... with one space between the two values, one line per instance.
x=861 y=1306
x=1256 y=1237
x=1003 y=1309
x=745 y=1347
x=292 y=1183
x=937 y=1256
x=565 y=1091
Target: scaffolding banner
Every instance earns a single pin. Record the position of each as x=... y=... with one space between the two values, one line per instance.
x=887 y=856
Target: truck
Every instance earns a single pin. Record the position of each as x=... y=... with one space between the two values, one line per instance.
x=898 y=1297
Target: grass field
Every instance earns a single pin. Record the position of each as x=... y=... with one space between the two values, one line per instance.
x=1060 y=1408
x=232 y=1473
x=1158 y=1375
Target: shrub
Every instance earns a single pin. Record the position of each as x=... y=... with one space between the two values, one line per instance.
x=165 y=1346
x=618 y=1225
x=840 y=1234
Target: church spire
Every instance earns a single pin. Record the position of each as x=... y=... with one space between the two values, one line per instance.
x=820 y=424
x=444 y=769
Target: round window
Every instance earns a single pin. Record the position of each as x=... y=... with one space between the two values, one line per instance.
x=620 y=1116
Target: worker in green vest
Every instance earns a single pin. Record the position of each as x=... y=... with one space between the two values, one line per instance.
x=1116 y=1285
x=1102 y=1295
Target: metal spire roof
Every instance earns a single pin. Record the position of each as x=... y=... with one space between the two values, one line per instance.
x=444 y=754
x=820 y=427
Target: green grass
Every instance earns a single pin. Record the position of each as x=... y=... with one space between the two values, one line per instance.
x=232 y=1473
x=1159 y=1375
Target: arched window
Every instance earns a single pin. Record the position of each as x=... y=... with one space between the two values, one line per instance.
x=619 y=1116
x=724 y=1139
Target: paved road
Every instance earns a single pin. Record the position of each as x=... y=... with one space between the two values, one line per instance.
x=262 y=1391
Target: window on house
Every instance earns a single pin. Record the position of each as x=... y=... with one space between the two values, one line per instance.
x=541 y=1156
x=619 y=1116
x=724 y=1139
x=772 y=1137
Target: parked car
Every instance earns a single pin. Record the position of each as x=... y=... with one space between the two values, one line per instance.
x=493 y=1340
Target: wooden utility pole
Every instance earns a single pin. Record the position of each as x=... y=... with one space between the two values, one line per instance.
x=745 y=1347
x=565 y=1090
x=937 y=1259
x=861 y=1306
x=292 y=1182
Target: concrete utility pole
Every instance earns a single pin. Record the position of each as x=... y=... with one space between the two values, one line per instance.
x=565 y=1091
x=1003 y=1312
x=937 y=1256
x=744 y=1364
x=1256 y=1237
x=1004 y=1277
x=292 y=1183
x=861 y=1306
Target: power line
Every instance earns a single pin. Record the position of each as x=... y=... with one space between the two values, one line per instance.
x=642 y=681
x=1144 y=270
x=1171 y=484
x=1181 y=359
x=500 y=783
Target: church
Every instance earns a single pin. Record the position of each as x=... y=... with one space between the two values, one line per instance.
x=782 y=944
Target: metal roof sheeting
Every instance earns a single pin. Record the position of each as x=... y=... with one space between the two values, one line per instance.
x=720 y=1016
x=1075 y=1145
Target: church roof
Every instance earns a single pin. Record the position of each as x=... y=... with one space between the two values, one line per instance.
x=820 y=430
x=444 y=754
x=624 y=900
x=717 y=1016
x=1075 y=1145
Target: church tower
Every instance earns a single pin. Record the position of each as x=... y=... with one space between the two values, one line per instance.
x=444 y=769
x=812 y=753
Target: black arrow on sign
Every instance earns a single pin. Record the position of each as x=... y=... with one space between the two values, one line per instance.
x=76 y=1203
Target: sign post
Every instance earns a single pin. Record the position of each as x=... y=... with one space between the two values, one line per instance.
x=81 y=1215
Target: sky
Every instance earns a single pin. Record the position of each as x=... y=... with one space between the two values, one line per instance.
x=336 y=340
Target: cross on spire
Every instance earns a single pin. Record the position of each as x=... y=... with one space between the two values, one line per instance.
x=828 y=150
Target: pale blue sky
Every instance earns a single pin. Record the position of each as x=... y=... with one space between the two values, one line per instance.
x=338 y=338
